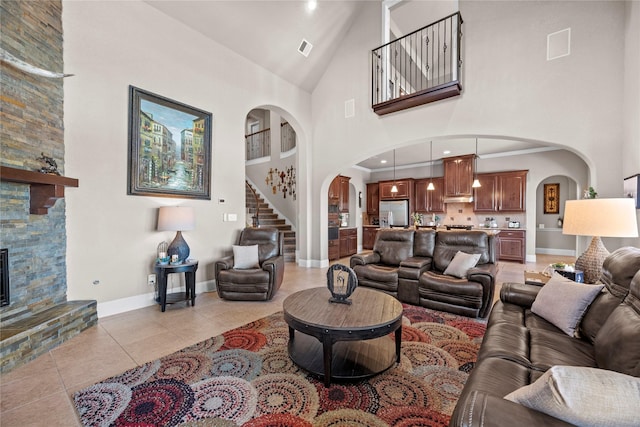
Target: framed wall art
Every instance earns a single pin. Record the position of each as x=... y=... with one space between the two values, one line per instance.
x=552 y=198
x=169 y=148
x=632 y=188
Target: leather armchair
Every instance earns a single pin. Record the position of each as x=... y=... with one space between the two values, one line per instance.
x=254 y=284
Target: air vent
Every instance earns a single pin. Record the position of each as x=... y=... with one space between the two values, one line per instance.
x=305 y=47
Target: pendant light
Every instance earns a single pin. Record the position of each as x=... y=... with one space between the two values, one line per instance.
x=430 y=186
x=394 y=189
x=476 y=182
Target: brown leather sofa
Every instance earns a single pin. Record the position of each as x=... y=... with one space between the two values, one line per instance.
x=409 y=265
x=254 y=284
x=520 y=346
x=379 y=269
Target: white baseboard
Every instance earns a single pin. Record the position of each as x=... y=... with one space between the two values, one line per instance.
x=109 y=308
x=553 y=251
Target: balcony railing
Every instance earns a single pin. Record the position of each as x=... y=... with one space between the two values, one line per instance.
x=258 y=144
x=421 y=67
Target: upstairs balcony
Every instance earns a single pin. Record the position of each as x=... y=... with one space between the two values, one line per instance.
x=419 y=68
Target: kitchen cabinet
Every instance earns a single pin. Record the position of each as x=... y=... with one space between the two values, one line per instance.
x=429 y=201
x=334 y=191
x=373 y=198
x=458 y=175
x=369 y=237
x=513 y=188
x=348 y=242
x=485 y=198
x=511 y=245
x=334 y=249
x=344 y=193
x=501 y=192
x=405 y=189
x=339 y=193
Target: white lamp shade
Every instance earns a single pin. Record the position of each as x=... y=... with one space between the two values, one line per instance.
x=600 y=217
x=176 y=218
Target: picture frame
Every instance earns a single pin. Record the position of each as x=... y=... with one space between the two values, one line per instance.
x=632 y=188
x=169 y=148
x=551 y=198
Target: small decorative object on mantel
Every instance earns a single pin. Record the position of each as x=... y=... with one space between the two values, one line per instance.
x=342 y=282
x=49 y=165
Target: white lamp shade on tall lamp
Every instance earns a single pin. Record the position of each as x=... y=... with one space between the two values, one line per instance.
x=598 y=218
x=177 y=218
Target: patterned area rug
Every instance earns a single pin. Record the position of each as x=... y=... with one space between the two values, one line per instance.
x=245 y=377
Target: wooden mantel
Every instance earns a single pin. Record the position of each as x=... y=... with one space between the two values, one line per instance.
x=45 y=188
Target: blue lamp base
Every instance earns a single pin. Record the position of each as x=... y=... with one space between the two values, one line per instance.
x=178 y=247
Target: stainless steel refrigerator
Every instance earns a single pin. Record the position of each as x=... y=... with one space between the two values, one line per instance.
x=394 y=213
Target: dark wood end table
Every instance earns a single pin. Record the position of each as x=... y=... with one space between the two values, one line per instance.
x=340 y=341
x=189 y=269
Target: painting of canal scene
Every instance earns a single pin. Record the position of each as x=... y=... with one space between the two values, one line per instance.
x=169 y=148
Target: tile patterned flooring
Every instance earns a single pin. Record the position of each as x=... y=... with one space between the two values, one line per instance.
x=40 y=392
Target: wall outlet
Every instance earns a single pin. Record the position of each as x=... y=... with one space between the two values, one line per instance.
x=151 y=280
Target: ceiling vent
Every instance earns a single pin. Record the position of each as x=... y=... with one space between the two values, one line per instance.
x=305 y=47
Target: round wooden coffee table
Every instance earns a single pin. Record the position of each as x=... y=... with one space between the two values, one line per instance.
x=340 y=341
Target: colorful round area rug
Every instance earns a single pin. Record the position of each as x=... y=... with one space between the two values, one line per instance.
x=245 y=377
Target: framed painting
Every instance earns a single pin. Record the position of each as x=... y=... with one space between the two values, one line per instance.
x=632 y=188
x=169 y=148
x=552 y=198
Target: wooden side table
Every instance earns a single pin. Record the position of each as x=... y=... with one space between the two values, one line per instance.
x=189 y=269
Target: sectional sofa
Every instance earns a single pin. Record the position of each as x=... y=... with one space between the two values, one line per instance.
x=422 y=267
x=586 y=375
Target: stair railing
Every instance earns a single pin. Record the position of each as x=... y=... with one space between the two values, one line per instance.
x=256 y=217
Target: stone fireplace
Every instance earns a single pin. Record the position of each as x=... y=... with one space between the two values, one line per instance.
x=37 y=315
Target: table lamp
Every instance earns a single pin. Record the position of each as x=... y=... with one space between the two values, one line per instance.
x=598 y=218
x=176 y=218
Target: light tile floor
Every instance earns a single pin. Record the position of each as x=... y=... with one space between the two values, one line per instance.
x=40 y=392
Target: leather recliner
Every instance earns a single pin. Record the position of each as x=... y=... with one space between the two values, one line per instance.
x=379 y=269
x=255 y=284
x=471 y=296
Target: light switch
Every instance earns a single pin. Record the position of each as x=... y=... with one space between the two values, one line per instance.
x=233 y=217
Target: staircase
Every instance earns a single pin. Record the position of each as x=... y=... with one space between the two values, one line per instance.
x=267 y=218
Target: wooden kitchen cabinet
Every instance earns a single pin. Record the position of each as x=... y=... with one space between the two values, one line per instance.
x=334 y=191
x=405 y=189
x=369 y=237
x=501 y=192
x=485 y=198
x=344 y=193
x=339 y=192
x=513 y=188
x=348 y=242
x=458 y=175
x=373 y=198
x=429 y=201
x=334 y=249
x=512 y=245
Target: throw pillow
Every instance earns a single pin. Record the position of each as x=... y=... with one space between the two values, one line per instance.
x=461 y=263
x=583 y=396
x=245 y=257
x=563 y=302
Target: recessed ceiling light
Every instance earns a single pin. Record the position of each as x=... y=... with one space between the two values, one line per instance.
x=446 y=152
x=305 y=47
x=383 y=161
x=311 y=5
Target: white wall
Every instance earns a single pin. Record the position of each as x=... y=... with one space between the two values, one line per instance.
x=510 y=89
x=109 y=46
